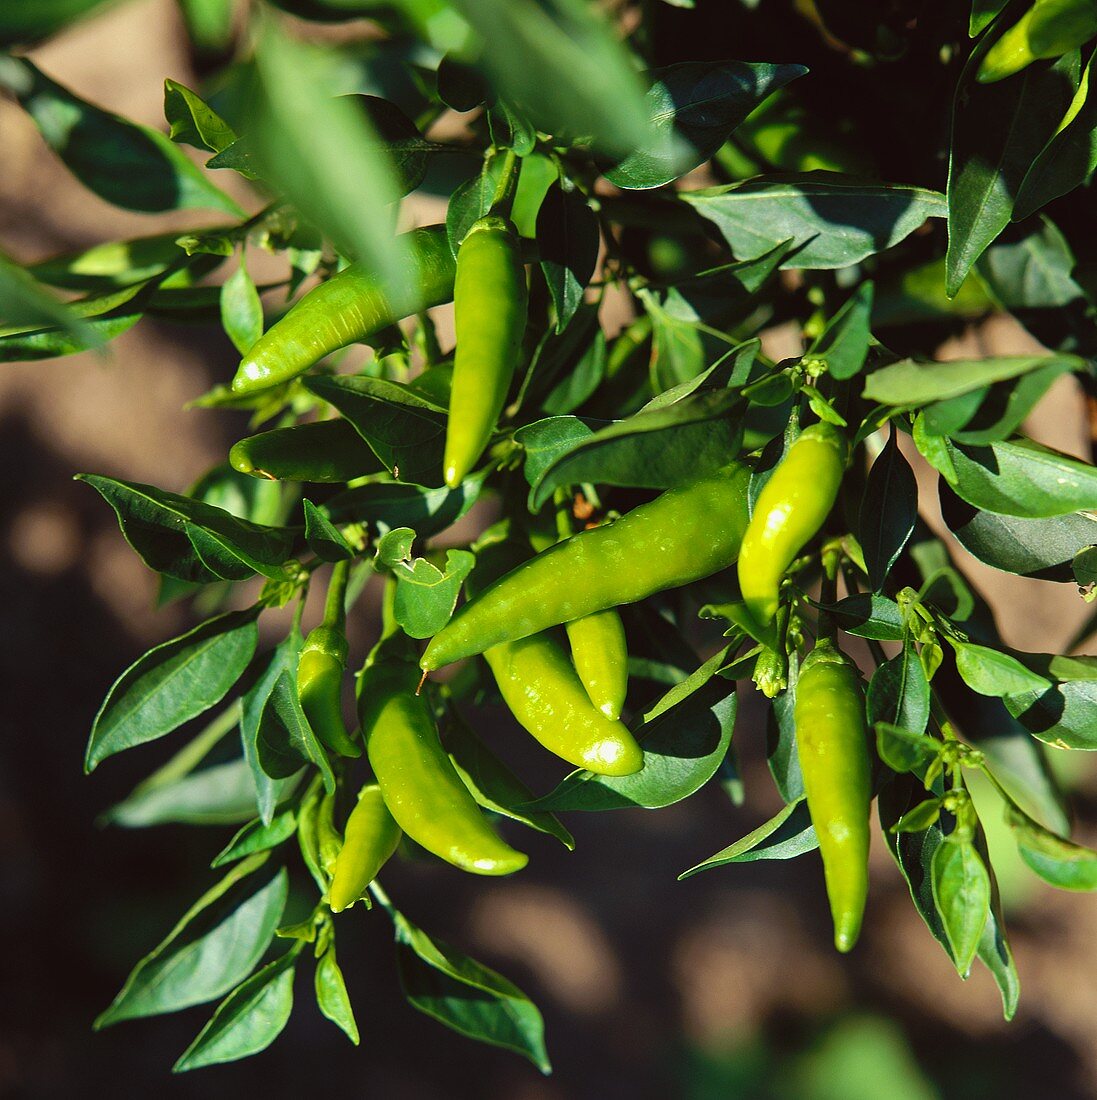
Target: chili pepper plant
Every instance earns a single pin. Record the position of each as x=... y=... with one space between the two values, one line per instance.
x=636 y=198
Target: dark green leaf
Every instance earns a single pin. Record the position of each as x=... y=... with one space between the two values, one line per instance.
x=173 y=683
x=842 y=346
x=903 y=750
x=189 y=539
x=387 y=506
x=331 y=995
x=898 y=693
x=700 y=103
x=1030 y=267
x=1040 y=548
x=257 y=837
x=990 y=672
x=961 y=893
x=567 y=241
x=494 y=785
x=889 y=510
x=832 y=221
x=324 y=538
x=466 y=996
x=471 y=201
x=1062 y=715
x=868 y=616
x=248 y=1020
x=683 y=746
x=1055 y=859
x=997 y=131
x=123 y=162
x=215 y=945
x=193 y=121
x=25 y=21
x=285 y=741
x=220 y=795
x=785 y=836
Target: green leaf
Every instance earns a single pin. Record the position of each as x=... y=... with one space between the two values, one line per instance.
x=842 y=346
x=1041 y=548
x=868 y=616
x=25 y=21
x=283 y=661
x=325 y=540
x=425 y=595
x=193 y=121
x=983 y=13
x=400 y=137
x=1068 y=159
x=25 y=302
x=1062 y=715
x=471 y=201
x=997 y=132
x=910 y=384
x=223 y=794
x=1055 y=859
x=331 y=995
x=920 y=818
x=683 y=747
x=655 y=449
x=899 y=695
x=112 y=265
x=700 y=103
x=402 y=427
x=785 y=836
x=257 y=837
x=1022 y=478
x=990 y=672
x=322 y=153
x=248 y=1020
x=241 y=309
x=173 y=683
x=889 y=510
x=580 y=382
x=189 y=539
x=902 y=750
x=284 y=739
x=214 y=946
x=832 y=221
x=560 y=63
x=209 y=24
x=465 y=995
x=567 y=241
x=387 y=506
x=123 y=162
x=1029 y=267
x=494 y=785
x=961 y=893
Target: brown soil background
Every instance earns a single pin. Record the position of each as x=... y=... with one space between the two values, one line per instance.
x=646 y=984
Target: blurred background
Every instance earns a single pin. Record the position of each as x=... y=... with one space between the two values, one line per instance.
x=719 y=987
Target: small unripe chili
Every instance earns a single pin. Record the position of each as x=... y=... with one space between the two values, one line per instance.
x=369 y=840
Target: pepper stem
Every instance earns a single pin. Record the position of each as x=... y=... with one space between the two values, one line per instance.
x=335 y=606
x=503 y=199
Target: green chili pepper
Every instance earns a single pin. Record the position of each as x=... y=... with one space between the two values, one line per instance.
x=324 y=451
x=347 y=308
x=599 y=649
x=371 y=837
x=1050 y=28
x=320 y=670
x=418 y=781
x=683 y=535
x=544 y=693
x=830 y=742
x=790 y=509
x=489 y=312
x=328 y=837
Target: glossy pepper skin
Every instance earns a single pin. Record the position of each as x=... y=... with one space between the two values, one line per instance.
x=683 y=535
x=489 y=313
x=418 y=781
x=830 y=741
x=324 y=451
x=599 y=649
x=790 y=509
x=346 y=308
x=369 y=840
x=544 y=693
x=1050 y=28
x=320 y=670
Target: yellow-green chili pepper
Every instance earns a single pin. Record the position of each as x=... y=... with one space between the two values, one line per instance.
x=347 y=308
x=320 y=670
x=544 y=693
x=418 y=781
x=370 y=838
x=830 y=741
x=790 y=509
x=489 y=312
x=683 y=535
x=324 y=451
